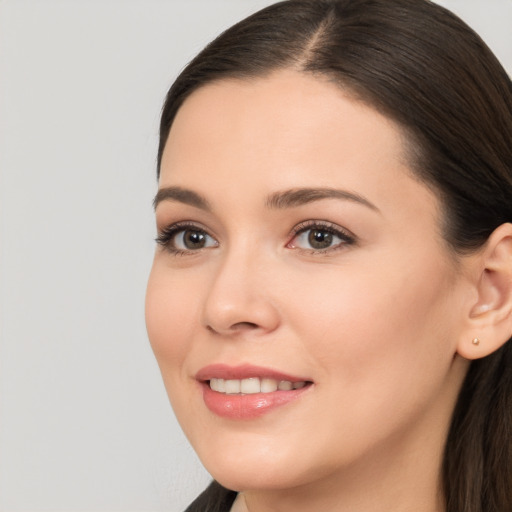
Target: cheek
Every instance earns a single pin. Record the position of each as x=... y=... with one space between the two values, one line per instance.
x=170 y=312
x=380 y=329
x=380 y=342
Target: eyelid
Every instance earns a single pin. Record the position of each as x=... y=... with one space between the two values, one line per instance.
x=167 y=233
x=347 y=237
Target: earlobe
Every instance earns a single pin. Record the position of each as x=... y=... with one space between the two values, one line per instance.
x=490 y=317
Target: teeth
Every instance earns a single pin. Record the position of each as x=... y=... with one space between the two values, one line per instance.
x=268 y=385
x=232 y=387
x=253 y=385
x=249 y=386
x=285 y=385
x=218 y=385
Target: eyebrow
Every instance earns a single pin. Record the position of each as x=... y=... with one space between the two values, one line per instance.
x=181 y=195
x=300 y=196
x=278 y=200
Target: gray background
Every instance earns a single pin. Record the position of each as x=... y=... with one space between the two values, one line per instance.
x=84 y=419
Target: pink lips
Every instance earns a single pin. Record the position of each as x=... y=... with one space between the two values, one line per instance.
x=248 y=406
x=245 y=371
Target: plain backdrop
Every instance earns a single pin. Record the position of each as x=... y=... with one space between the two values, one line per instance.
x=84 y=420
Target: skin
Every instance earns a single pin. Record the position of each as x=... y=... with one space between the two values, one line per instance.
x=374 y=323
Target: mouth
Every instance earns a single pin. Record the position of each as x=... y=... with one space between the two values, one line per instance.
x=253 y=385
x=246 y=392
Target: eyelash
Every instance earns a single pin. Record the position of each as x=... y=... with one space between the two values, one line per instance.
x=346 y=237
x=166 y=235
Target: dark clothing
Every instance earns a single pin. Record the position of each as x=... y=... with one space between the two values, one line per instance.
x=214 y=498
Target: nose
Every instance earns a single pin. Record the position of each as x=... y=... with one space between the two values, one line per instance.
x=240 y=298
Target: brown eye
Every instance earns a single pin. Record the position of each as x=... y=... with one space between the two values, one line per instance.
x=179 y=239
x=317 y=237
x=192 y=239
x=320 y=239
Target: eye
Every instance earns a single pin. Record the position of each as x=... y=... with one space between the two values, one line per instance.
x=192 y=239
x=316 y=236
x=181 y=239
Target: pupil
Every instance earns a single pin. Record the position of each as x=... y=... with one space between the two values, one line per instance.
x=320 y=239
x=194 y=239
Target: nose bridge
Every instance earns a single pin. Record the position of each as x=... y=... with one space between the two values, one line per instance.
x=238 y=297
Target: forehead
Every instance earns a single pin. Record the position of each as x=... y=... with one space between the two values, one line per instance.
x=284 y=113
x=287 y=129
x=285 y=103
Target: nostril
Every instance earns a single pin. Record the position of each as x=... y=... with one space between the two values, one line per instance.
x=237 y=327
x=242 y=326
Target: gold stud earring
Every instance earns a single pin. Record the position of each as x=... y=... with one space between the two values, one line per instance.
x=476 y=341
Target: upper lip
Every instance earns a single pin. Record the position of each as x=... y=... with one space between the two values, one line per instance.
x=244 y=371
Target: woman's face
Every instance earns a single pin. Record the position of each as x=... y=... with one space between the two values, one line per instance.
x=296 y=246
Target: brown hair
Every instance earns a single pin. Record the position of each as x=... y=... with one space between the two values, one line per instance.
x=423 y=67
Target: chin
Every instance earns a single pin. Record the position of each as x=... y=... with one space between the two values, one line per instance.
x=255 y=462
x=265 y=476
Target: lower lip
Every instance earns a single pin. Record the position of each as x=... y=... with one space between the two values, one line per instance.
x=246 y=407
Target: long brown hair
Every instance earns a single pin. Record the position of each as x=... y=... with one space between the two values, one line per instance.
x=423 y=67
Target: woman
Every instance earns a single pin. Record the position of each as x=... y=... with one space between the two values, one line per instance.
x=330 y=302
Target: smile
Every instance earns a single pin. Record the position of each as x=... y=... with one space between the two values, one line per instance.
x=246 y=392
x=253 y=385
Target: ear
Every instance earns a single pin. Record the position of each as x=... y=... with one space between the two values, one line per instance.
x=490 y=317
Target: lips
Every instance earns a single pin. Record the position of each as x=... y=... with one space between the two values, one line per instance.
x=246 y=391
